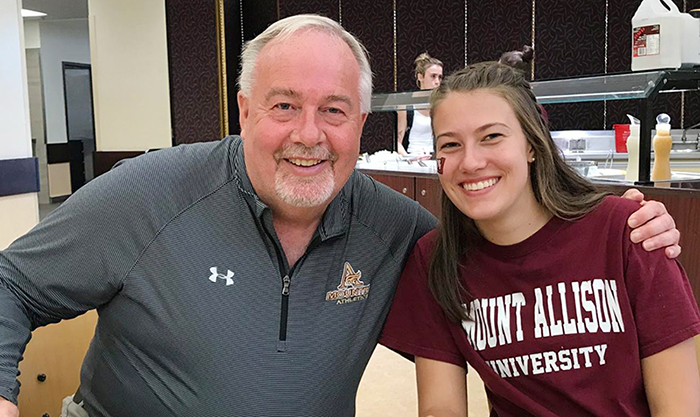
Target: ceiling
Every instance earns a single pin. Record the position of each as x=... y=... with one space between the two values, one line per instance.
x=58 y=9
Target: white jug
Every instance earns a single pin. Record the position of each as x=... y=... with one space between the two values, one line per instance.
x=663 y=37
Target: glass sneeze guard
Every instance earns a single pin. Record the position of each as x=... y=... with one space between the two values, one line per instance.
x=598 y=88
x=409 y=100
x=627 y=86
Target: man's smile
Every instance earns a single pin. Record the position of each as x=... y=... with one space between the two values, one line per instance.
x=304 y=162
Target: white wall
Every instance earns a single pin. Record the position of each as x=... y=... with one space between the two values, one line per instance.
x=61 y=40
x=36 y=114
x=15 y=139
x=32 y=38
x=18 y=213
x=130 y=74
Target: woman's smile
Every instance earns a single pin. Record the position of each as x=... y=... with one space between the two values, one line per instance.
x=481 y=184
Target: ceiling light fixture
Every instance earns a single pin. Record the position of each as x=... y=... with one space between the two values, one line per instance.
x=32 y=13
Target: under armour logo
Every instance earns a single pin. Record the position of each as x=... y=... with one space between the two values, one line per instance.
x=215 y=275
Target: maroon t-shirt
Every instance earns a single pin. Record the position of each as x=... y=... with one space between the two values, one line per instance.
x=559 y=322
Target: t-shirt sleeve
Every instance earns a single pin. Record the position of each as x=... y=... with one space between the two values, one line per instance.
x=416 y=326
x=664 y=308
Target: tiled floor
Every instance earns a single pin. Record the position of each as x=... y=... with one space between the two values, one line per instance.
x=388 y=388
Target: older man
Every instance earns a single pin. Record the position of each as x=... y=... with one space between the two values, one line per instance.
x=246 y=277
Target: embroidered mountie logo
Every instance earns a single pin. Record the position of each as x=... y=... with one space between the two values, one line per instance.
x=351 y=287
x=215 y=276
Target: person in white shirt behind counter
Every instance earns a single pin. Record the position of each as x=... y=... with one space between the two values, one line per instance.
x=415 y=125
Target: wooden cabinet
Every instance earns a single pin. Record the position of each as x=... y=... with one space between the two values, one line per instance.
x=404 y=185
x=684 y=206
x=424 y=189
x=429 y=194
x=50 y=370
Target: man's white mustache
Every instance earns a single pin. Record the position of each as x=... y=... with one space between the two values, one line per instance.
x=305 y=152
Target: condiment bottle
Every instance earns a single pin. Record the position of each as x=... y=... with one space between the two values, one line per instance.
x=632 y=172
x=662 y=149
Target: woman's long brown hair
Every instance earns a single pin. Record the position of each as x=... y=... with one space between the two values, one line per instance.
x=557 y=187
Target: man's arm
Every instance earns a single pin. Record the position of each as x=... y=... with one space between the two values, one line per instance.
x=442 y=389
x=48 y=275
x=653 y=226
x=671 y=381
x=15 y=330
x=74 y=260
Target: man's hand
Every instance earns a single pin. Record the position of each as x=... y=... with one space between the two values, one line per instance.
x=654 y=227
x=8 y=409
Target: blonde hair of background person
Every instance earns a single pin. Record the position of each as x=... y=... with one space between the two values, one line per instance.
x=505 y=182
x=428 y=73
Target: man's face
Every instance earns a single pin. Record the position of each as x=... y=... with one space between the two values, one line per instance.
x=302 y=123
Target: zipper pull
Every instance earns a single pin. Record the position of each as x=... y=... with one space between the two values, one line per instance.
x=286 y=281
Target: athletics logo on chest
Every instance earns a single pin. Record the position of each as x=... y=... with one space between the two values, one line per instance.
x=351 y=287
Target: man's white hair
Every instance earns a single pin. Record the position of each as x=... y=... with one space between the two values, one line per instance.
x=288 y=26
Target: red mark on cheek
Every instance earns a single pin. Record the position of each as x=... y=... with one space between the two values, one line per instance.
x=440 y=164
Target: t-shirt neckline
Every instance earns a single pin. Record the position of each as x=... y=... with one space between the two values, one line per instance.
x=532 y=243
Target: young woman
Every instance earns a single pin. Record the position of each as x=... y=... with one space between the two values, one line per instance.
x=532 y=278
x=414 y=134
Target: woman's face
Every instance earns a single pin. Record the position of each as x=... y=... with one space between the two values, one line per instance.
x=485 y=171
x=431 y=79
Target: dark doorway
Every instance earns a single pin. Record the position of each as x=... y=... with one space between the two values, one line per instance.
x=80 y=123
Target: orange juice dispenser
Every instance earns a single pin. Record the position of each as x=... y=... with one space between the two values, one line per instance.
x=662 y=148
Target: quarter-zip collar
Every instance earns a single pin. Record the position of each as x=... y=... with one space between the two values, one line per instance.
x=336 y=218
